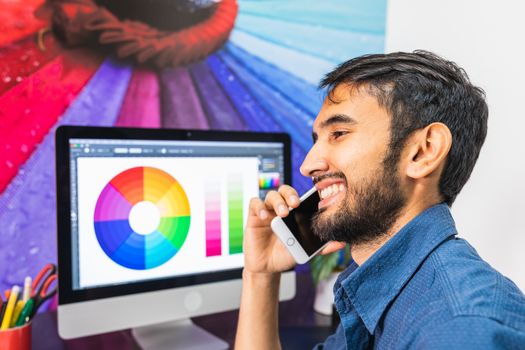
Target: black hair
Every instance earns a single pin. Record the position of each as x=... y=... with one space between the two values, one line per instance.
x=418 y=89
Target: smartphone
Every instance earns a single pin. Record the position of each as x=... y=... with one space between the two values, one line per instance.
x=295 y=230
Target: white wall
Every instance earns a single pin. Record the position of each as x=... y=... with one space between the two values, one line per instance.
x=487 y=38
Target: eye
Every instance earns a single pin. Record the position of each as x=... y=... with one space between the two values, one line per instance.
x=337 y=134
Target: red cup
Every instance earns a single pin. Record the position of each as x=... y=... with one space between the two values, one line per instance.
x=17 y=338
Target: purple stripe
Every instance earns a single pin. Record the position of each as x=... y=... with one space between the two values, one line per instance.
x=27 y=207
x=181 y=107
x=141 y=106
x=219 y=110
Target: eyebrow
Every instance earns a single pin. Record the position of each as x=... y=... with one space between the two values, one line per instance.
x=335 y=119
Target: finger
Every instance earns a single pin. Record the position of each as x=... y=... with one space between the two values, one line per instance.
x=290 y=195
x=276 y=202
x=332 y=247
x=258 y=208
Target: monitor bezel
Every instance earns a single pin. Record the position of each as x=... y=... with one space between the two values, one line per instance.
x=64 y=133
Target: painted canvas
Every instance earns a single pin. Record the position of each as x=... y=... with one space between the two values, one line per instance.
x=199 y=64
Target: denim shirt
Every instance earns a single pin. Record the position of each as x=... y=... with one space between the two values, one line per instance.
x=427 y=289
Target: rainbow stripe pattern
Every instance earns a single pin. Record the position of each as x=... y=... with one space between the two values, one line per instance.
x=269 y=180
x=112 y=227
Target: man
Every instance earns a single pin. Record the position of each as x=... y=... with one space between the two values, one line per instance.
x=396 y=139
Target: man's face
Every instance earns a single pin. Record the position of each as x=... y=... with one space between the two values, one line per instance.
x=352 y=168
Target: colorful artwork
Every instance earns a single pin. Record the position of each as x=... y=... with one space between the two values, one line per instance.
x=230 y=65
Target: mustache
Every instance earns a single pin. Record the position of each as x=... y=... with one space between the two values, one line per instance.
x=337 y=175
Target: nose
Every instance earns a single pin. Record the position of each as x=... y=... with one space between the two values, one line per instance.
x=314 y=162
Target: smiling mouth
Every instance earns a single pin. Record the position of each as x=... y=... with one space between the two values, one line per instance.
x=330 y=193
x=331 y=190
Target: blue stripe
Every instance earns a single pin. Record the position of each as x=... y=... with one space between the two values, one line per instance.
x=330 y=44
x=350 y=15
x=261 y=100
x=255 y=116
x=303 y=94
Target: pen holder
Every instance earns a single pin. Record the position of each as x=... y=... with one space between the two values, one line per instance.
x=17 y=338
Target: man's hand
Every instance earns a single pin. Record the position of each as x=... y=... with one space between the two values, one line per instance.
x=263 y=252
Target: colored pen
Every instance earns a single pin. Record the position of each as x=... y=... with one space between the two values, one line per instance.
x=26 y=312
x=27 y=289
x=6 y=322
x=16 y=312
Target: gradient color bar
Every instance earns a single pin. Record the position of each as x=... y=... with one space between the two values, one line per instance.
x=213 y=218
x=235 y=212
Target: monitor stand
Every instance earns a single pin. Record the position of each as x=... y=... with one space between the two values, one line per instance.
x=181 y=334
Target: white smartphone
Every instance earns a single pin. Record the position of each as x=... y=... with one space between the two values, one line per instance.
x=295 y=230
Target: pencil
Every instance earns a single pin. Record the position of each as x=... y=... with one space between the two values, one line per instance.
x=6 y=322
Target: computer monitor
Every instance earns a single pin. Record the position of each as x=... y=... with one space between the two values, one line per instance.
x=150 y=224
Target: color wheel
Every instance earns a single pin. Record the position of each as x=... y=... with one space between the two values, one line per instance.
x=142 y=218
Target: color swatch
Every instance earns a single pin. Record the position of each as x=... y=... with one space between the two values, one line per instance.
x=133 y=244
x=233 y=215
x=213 y=218
x=269 y=180
x=235 y=212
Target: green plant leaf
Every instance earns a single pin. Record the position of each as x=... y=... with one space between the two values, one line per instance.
x=322 y=266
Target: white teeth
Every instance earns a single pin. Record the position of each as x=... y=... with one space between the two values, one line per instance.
x=332 y=190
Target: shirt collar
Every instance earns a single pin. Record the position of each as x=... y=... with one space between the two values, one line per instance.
x=372 y=286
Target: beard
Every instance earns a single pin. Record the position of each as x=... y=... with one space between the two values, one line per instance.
x=377 y=205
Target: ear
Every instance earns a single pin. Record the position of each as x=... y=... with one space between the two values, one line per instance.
x=428 y=150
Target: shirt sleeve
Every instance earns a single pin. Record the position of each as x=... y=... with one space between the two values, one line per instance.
x=470 y=332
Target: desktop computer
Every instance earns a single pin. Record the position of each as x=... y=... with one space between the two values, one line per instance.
x=150 y=227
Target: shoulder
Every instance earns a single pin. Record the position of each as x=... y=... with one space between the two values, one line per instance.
x=470 y=332
x=472 y=288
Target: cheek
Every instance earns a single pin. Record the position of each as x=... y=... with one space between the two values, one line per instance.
x=360 y=157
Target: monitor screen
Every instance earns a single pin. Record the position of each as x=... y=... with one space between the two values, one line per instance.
x=149 y=209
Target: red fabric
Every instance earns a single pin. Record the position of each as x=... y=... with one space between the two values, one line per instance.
x=17 y=20
x=81 y=21
x=31 y=108
x=21 y=59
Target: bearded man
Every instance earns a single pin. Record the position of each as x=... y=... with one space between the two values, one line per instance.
x=395 y=140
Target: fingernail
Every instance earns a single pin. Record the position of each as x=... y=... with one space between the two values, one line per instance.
x=294 y=199
x=282 y=209
x=263 y=214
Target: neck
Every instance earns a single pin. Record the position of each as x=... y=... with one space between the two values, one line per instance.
x=362 y=252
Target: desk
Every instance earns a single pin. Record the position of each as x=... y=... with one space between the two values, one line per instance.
x=300 y=326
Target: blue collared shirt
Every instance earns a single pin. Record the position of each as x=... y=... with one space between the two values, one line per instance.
x=427 y=289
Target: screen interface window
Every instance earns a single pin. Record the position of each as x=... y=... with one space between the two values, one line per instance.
x=143 y=210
